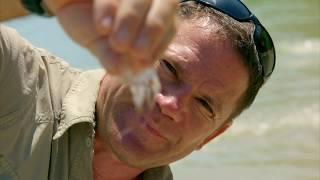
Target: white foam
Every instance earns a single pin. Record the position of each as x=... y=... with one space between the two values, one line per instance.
x=311 y=46
x=307 y=118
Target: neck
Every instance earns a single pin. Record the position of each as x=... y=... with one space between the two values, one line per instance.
x=107 y=166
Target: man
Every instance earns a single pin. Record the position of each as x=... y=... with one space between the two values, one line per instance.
x=59 y=123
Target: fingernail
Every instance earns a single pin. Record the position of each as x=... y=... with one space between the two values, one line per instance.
x=141 y=42
x=106 y=22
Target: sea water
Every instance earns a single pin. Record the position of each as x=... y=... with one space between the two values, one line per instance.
x=278 y=138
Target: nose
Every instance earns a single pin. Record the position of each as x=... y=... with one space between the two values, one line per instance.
x=174 y=102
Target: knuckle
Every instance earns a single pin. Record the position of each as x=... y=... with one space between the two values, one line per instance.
x=133 y=16
x=156 y=27
x=140 y=53
x=105 y=7
x=171 y=4
x=110 y=5
x=118 y=45
x=130 y=19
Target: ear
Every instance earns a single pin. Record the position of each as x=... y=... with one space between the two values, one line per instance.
x=216 y=133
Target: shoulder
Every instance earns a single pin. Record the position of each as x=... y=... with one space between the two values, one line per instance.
x=9 y=38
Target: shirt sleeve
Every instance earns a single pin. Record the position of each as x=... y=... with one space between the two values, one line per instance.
x=19 y=66
x=26 y=128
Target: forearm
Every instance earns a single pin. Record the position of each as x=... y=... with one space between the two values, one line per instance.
x=11 y=9
x=56 y=5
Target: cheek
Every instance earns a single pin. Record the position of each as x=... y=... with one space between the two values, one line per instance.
x=196 y=120
x=117 y=103
x=195 y=130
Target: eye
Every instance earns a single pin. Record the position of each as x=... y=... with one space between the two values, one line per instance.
x=169 y=67
x=205 y=105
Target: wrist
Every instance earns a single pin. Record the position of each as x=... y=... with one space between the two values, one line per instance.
x=56 y=5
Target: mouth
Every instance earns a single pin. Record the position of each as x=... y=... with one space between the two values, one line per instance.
x=153 y=131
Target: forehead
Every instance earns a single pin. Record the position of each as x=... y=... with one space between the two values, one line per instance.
x=213 y=66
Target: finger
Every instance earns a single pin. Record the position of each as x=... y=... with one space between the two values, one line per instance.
x=115 y=63
x=158 y=50
x=104 y=12
x=128 y=20
x=158 y=21
x=76 y=19
x=110 y=60
x=138 y=63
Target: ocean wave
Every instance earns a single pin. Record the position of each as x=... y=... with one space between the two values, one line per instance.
x=307 y=118
x=311 y=46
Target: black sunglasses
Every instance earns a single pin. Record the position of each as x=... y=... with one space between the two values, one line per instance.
x=262 y=39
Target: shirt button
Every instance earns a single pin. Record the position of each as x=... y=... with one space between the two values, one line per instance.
x=88 y=142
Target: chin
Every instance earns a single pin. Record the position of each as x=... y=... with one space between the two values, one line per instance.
x=131 y=144
x=129 y=147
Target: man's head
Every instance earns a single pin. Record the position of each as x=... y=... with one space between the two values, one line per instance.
x=206 y=81
x=239 y=34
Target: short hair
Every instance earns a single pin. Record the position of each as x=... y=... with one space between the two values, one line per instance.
x=241 y=38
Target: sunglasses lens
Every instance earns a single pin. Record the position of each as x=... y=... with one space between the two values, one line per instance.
x=266 y=50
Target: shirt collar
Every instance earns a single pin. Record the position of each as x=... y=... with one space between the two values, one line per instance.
x=79 y=103
x=158 y=173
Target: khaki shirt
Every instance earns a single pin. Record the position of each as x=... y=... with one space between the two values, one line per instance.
x=47 y=115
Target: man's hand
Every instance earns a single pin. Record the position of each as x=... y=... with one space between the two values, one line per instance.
x=122 y=34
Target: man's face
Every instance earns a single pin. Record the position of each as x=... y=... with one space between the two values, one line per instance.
x=202 y=79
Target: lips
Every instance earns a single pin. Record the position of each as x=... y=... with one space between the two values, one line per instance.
x=151 y=129
x=154 y=131
x=160 y=125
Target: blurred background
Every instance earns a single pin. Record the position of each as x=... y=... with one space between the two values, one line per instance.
x=278 y=138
